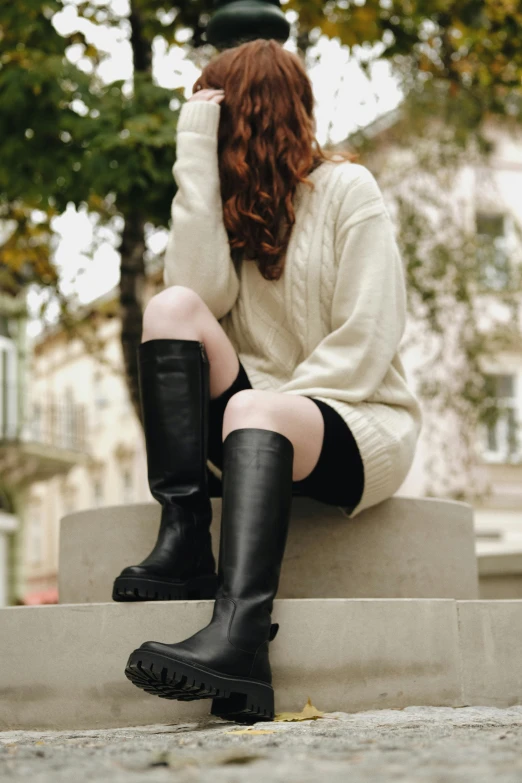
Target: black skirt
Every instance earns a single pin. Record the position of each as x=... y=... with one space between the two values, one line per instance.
x=338 y=477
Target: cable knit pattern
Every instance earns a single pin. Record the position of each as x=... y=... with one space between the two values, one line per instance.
x=302 y=230
x=328 y=269
x=332 y=325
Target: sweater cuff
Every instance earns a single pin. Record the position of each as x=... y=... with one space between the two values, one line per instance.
x=199 y=117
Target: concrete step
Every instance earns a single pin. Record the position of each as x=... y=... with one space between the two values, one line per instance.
x=401 y=548
x=63 y=666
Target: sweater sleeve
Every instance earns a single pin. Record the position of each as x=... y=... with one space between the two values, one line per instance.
x=198 y=251
x=368 y=314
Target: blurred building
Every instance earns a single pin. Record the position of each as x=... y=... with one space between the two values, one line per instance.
x=41 y=436
x=12 y=313
x=90 y=382
x=485 y=199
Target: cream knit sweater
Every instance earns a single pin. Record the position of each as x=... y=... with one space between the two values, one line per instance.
x=331 y=326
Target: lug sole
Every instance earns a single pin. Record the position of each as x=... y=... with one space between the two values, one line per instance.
x=237 y=699
x=137 y=588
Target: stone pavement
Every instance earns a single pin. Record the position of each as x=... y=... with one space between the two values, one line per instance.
x=412 y=745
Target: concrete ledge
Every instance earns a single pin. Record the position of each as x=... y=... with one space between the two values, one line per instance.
x=401 y=548
x=490 y=634
x=507 y=563
x=62 y=666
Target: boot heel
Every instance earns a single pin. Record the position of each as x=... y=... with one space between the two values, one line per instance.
x=253 y=705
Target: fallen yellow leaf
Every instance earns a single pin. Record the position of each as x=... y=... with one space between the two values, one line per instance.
x=236 y=756
x=251 y=731
x=309 y=712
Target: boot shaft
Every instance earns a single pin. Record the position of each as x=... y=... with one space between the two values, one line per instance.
x=257 y=499
x=174 y=388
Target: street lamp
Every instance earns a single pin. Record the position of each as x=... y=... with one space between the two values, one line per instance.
x=237 y=21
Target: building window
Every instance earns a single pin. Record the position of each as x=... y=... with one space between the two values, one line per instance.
x=128 y=488
x=69 y=419
x=98 y=492
x=68 y=498
x=36 y=423
x=492 y=251
x=502 y=439
x=100 y=398
x=35 y=537
x=8 y=390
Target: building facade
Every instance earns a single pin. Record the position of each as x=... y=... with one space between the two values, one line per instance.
x=485 y=200
x=114 y=468
x=41 y=437
x=12 y=311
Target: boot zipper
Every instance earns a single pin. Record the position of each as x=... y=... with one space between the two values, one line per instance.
x=205 y=379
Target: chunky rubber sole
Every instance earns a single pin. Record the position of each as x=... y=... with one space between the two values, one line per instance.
x=137 y=588
x=237 y=699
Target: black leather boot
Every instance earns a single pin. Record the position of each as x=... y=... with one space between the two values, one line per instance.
x=228 y=659
x=174 y=387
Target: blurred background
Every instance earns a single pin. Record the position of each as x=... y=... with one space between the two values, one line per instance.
x=428 y=94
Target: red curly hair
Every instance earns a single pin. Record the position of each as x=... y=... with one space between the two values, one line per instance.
x=265 y=137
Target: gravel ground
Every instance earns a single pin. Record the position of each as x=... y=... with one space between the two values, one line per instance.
x=414 y=745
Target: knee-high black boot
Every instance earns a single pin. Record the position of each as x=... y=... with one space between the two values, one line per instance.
x=228 y=659
x=174 y=386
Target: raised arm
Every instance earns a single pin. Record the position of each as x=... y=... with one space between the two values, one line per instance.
x=198 y=250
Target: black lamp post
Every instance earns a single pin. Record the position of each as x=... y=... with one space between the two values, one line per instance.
x=237 y=21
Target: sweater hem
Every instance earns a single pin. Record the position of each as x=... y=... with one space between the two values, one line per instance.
x=376 y=453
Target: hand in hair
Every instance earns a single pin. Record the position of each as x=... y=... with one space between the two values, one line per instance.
x=213 y=96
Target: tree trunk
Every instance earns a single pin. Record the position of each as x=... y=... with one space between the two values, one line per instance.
x=303 y=42
x=132 y=247
x=132 y=284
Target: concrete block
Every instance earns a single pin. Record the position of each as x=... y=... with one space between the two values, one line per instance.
x=490 y=634
x=500 y=574
x=501 y=587
x=401 y=548
x=62 y=666
x=387 y=653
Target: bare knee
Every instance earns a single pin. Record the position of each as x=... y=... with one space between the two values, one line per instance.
x=173 y=313
x=248 y=408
